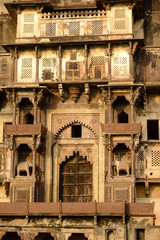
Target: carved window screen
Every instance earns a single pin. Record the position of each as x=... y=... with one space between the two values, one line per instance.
x=73 y=70
x=97 y=27
x=48 y=68
x=26 y=68
x=21 y=194
x=121 y=194
x=140 y=157
x=155 y=156
x=76 y=180
x=120 y=19
x=120 y=66
x=74 y=28
x=98 y=67
x=28 y=25
x=50 y=29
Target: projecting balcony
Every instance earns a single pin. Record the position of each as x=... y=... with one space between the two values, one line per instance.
x=121 y=128
x=24 y=129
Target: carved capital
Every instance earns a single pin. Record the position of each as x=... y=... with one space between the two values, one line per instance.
x=134 y=95
x=137 y=141
x=36 y=141
x=107 y=141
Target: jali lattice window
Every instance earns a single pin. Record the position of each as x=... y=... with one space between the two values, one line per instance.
x=50 y=29
x=28 y=25
x=120 y=19
x=97 y=27
x=155 y=156
x=120 y=66
x=48 y=68
x=140 y=157
x=74 y=28
x=73 y=70
x=98 y=67
x=26 y=68
x=76 y=180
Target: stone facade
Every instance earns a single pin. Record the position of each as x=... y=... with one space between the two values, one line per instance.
x=79 y=120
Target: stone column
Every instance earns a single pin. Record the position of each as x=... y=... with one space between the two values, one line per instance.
x=34 y=156
x=15 y=64
x=86 y=63
x=109 y=62
x=14 y=107
x=132 y=156
x=131 y=62
x=132 y=105
x=109 y=147
x=110 y=109
x=37 y=64
x=60 y=63
x=12 y=149
x=35 y=105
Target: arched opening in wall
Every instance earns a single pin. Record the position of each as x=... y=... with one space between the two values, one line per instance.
x=26 y=109
x=121 y=110
x=122 y=117
x=122 y=160
x=77 y=236
x=110 y=235
x=44 y=236
x=11 y=236
x=76 y=179
x=28 y=118
x=25 y=157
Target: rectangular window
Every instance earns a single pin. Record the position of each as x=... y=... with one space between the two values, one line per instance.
x=74 y=28
x=152 y=130
x=140 y=234
x=72 y=70
x=50 y=29
x=97 y=27
x=76 y=131
x=28 y=25
x=26 y=68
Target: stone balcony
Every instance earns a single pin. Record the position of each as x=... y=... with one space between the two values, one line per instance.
x=121 y=128
x=24 y=129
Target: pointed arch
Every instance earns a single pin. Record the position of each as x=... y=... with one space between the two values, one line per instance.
x=74 y=122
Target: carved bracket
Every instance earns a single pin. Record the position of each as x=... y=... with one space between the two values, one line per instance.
x=9 y=142
x=87 y=91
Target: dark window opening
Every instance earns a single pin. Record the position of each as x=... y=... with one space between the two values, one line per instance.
x=152 y=130
x=140 y=234
x=122 y=172
x=28 y=119
x=76 y=131
x=123 y=117
x=11 y=236
x=23 y=173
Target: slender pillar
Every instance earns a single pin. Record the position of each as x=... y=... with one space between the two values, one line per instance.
x=132 y=105
x=18 y=115
x=15 y=64
x=37 y=64
x=12 y=149
x=131 y=61
x=109 y=156
x=110 y=109
x=60 y=63
x=109 y=61
x=86 y=63
x=35 y=112
x=132 y=157
x=34 y=163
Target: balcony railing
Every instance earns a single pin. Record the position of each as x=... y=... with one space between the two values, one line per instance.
x=24 y=129
x=78 y=209
x=121 y=128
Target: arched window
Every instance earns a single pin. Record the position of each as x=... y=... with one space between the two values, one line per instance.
x=11 y=236
x=122 y=117
x=76 y=180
